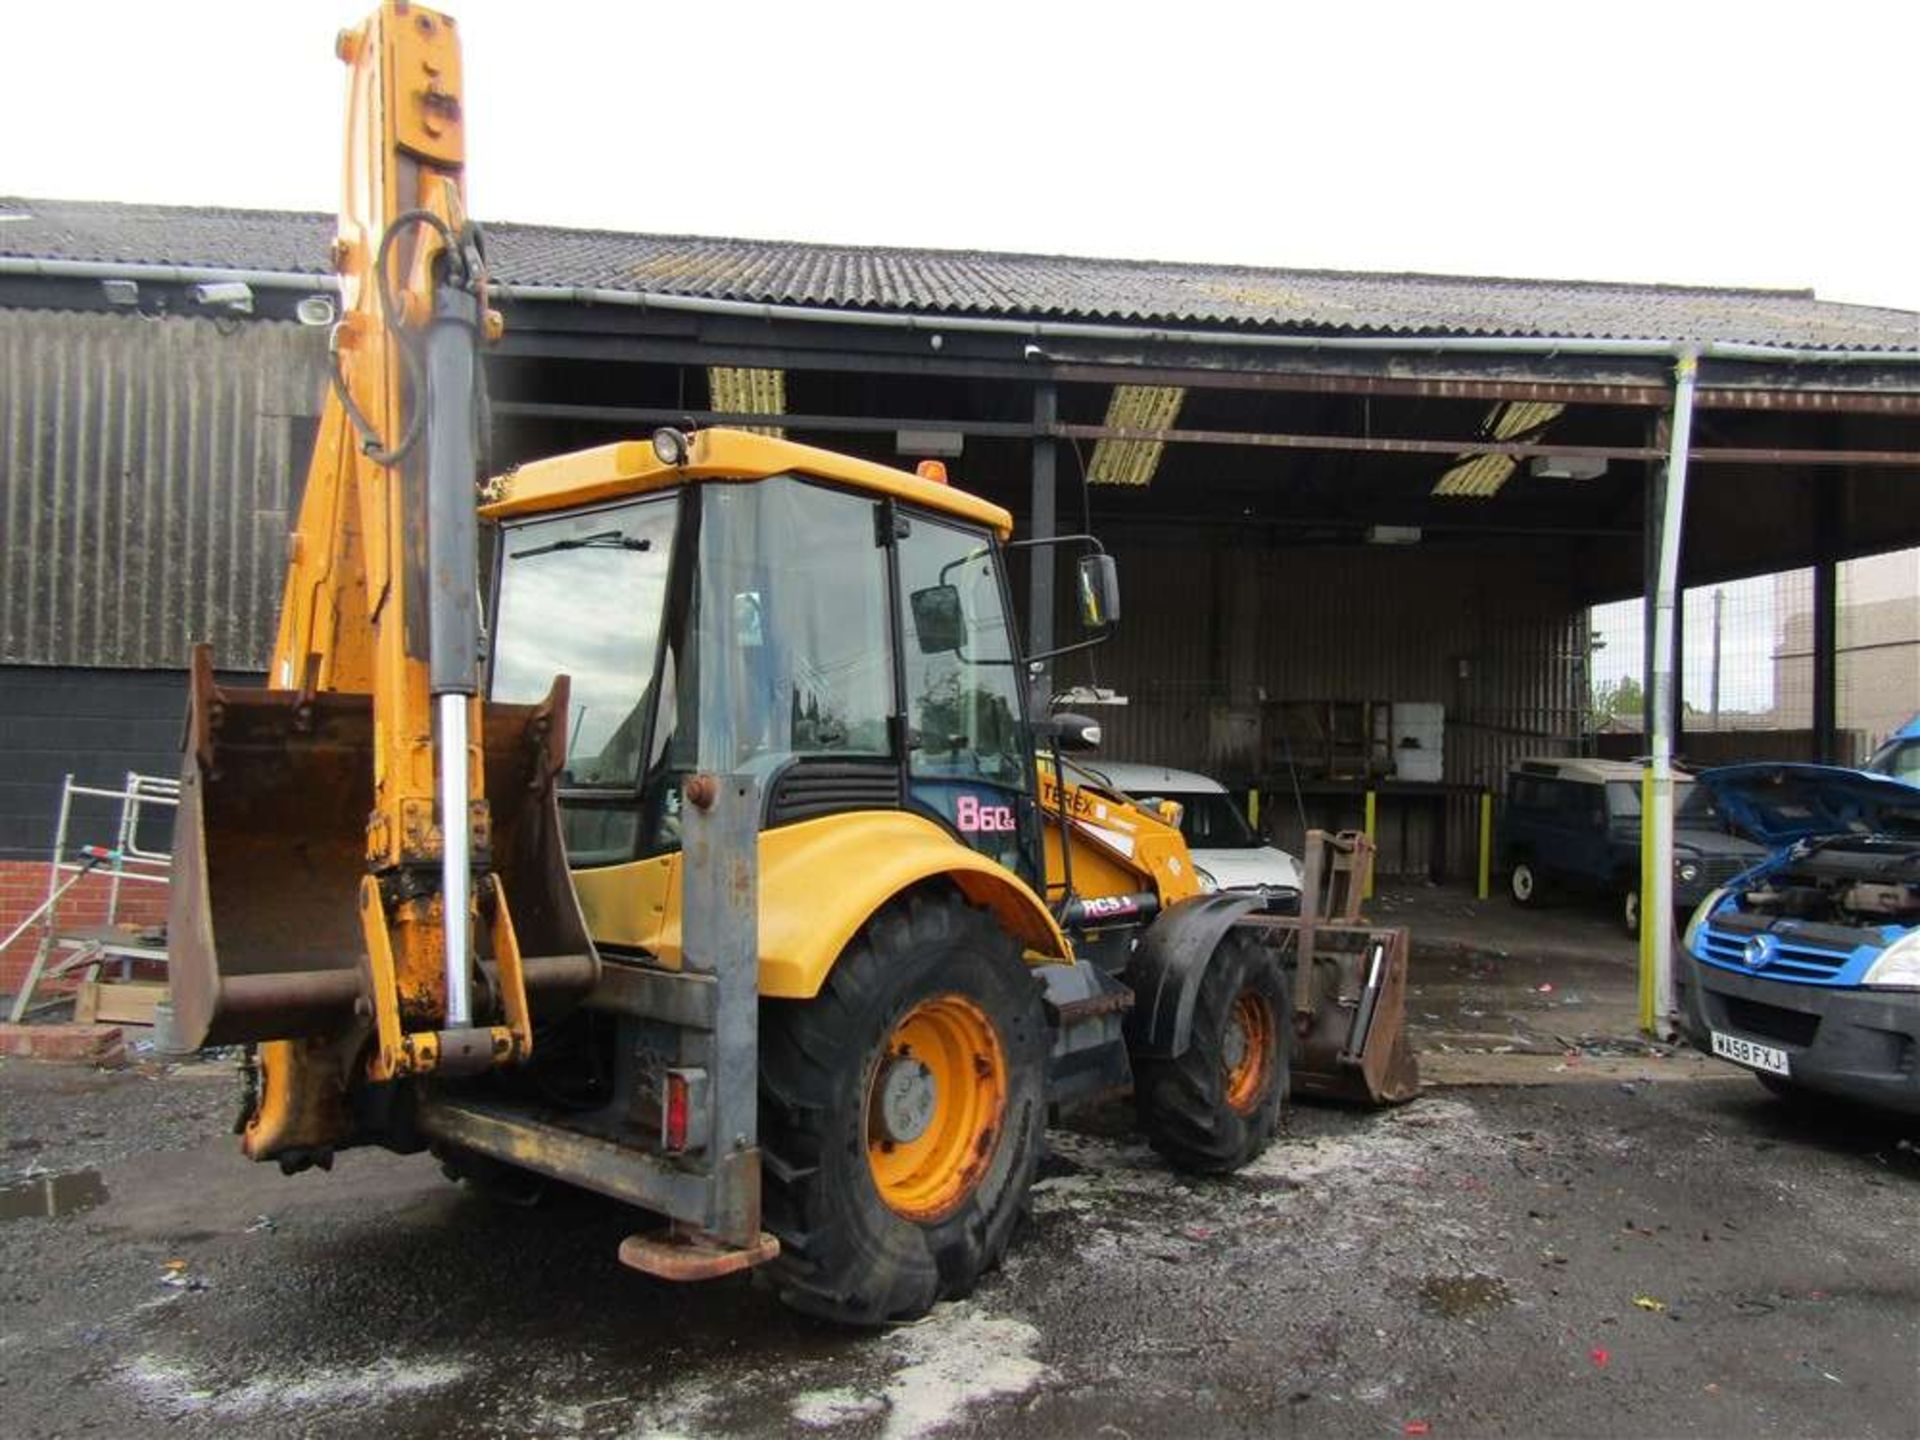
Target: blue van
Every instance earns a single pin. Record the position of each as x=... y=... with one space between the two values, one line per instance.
x=1806 y=968
x=1900 y=756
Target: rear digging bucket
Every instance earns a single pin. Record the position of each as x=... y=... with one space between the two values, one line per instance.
x=269 y=846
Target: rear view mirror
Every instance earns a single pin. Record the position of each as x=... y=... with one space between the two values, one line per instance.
x=1099 y=591
x=1076 y=734
x=939 y=623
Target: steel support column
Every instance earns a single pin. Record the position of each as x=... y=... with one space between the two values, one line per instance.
x=1826 y=637
x=1656 y=824
x=1652 y=505
x=1042 y=520
x=719 y=821
x=1679 y=712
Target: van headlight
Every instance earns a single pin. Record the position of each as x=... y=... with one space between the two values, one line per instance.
x=1898 y=967
x=1207 y=883
x=1699 y=920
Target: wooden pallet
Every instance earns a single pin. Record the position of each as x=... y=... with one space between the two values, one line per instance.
x=118 y=1002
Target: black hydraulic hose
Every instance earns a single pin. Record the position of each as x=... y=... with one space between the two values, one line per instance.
x=370 y=442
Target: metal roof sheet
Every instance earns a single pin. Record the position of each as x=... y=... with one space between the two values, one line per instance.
x=951 y=282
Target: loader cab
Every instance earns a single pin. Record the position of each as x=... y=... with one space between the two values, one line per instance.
x=858 y=640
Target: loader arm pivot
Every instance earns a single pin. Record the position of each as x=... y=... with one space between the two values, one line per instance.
x=363 y=836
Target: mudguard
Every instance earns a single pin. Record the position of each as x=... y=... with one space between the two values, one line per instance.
x=1167 y=965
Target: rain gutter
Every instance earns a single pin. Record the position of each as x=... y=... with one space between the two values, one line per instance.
x=1033 y=331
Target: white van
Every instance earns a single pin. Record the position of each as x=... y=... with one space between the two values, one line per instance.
x=1227 y=853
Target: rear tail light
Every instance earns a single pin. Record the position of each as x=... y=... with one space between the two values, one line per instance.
x=673 y=1116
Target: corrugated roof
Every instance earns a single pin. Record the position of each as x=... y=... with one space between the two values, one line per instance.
x=960 y=282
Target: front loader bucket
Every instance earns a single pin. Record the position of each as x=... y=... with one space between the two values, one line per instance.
x=1350 y=1011
x=264 y=932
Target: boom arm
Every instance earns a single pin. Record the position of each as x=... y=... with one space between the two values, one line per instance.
x=368 y=763
x=367 y=605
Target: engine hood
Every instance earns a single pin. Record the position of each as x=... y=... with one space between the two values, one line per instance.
x=1779 y=804
x=1249 y=869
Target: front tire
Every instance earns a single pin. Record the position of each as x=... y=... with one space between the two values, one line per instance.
x=1523 y=883
x=1630 y=911
x=1213 y=1107
x=902 y=1114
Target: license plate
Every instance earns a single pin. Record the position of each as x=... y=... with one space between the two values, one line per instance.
x=1749 y=1053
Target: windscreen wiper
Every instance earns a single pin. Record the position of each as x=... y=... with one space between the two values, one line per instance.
x=604 y=540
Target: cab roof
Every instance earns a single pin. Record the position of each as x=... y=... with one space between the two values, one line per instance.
x=630 y=467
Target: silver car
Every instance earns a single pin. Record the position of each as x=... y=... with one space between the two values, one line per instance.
x=1226 y=851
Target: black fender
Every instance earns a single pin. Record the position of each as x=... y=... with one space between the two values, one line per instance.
x=1167 y=965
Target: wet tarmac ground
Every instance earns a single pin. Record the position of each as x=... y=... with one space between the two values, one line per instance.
x=1587 y=1258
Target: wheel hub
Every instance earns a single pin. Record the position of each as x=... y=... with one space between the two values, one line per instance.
x=1246 y=1043
x=934 y=1107
x=1233 y=1045
x=906 y=1094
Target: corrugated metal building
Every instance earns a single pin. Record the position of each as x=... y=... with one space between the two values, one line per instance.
x=1244 y=438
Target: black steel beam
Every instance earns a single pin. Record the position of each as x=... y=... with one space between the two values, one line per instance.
x=1454 y=387
x=667 y=415
x=1042 y=519
x=1398 y=445
x=1366 y=444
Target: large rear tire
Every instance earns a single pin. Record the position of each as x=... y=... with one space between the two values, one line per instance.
x=1213 y=1107
x=902 y=1114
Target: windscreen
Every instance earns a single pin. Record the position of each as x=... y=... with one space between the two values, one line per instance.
x=581 y=595
x=1211 y=821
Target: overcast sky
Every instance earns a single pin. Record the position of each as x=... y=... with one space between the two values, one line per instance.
x=1729 y=144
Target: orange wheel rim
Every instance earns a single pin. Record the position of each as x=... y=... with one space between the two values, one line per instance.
x=1248 y=1051
x=934 y=1104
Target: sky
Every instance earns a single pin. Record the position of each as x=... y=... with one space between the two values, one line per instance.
x=1696 y=143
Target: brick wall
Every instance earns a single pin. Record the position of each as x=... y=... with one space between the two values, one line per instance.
x=23 y=885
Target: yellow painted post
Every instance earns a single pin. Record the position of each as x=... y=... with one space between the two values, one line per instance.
x=1486 y=842
x=1253 y=808
x=1648 y=1017
x=1367 y=892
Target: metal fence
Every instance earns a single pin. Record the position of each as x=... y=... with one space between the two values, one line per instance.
x=1747 y=653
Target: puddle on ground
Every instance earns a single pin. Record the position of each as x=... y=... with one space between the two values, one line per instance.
x=49 y=1195
x=1457 y=1295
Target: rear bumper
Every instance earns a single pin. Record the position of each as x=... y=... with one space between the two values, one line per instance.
x=1859 y=1044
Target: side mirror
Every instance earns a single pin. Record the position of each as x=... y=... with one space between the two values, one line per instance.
x=1076 y=733
x=1099 y=591
x=939 y=623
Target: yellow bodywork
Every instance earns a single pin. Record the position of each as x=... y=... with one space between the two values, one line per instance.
x=820 y=881
x=630 y=467
x=1116 y=847
x=342 y=618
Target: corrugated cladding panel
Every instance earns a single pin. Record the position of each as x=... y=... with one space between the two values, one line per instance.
x=1208 y=634
x=151 y=467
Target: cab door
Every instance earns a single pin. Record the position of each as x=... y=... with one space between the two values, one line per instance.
x=969 y=753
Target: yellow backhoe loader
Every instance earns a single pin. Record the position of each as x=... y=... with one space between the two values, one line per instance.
x=714 y=862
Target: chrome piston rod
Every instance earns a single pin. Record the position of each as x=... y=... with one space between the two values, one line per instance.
x=456 y=863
